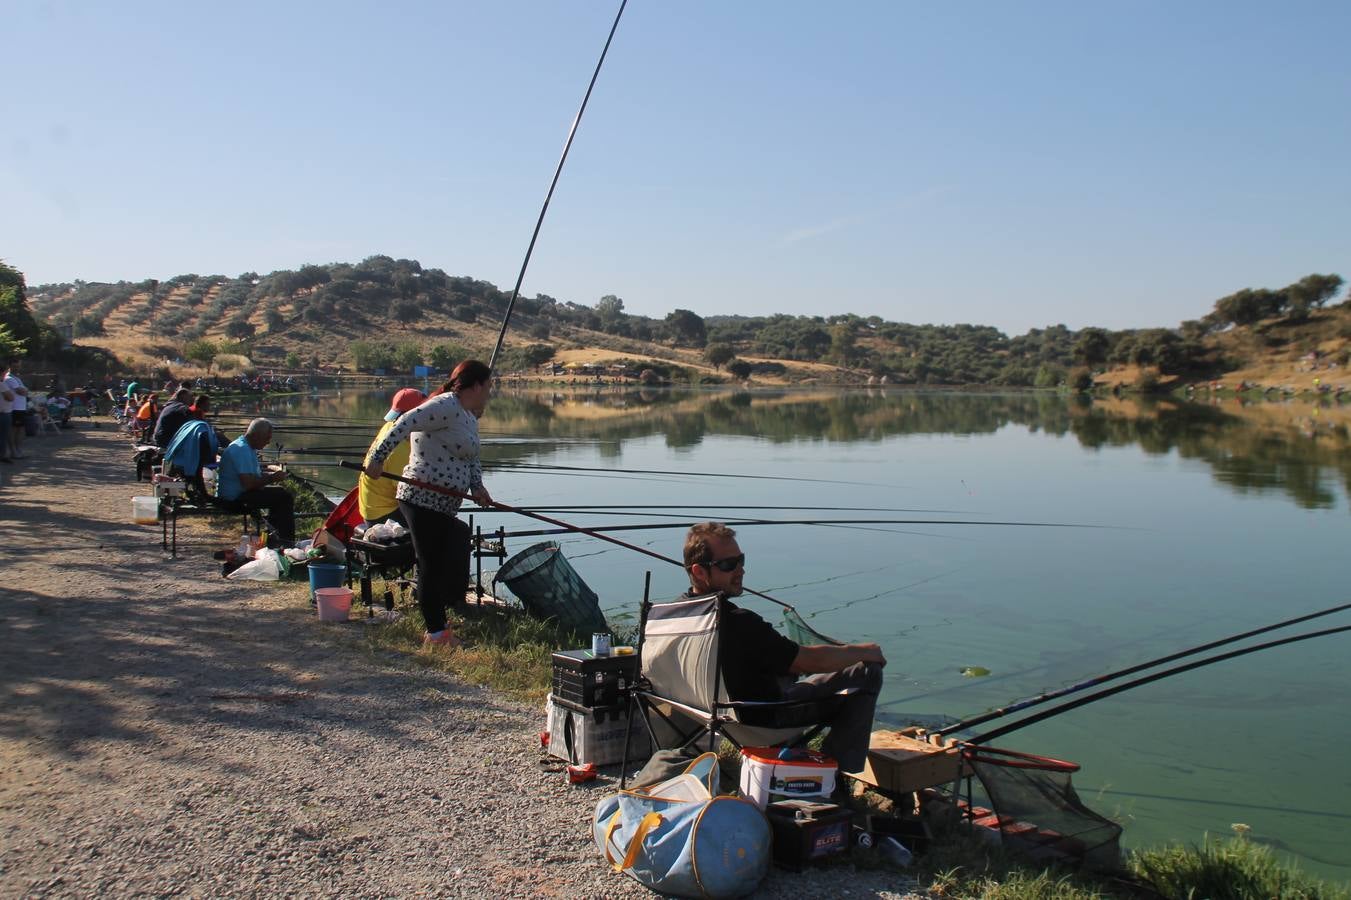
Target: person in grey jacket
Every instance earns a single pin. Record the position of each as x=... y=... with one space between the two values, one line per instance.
x=445 y=452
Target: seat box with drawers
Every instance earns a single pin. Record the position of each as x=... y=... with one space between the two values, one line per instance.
x=582 y=734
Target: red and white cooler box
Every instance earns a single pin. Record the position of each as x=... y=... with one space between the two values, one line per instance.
x=767 y=779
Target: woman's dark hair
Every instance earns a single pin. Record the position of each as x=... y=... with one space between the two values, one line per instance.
x=468 y=374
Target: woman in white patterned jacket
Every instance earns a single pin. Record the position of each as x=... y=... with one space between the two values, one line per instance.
x=445 y=452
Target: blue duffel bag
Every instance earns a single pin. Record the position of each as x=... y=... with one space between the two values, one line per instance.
x=678 y=839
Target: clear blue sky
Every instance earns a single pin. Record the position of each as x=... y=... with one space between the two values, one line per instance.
x=1011 y=164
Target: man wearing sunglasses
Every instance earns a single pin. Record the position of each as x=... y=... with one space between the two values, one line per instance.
x=758 y=663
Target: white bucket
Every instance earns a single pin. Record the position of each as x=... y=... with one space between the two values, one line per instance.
x=333 y=603
x=144 y=510
x=765 y=778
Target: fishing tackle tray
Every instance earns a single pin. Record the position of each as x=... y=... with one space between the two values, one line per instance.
x=583 y=678
x=394 y=556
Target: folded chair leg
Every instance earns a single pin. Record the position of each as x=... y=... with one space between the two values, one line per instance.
x=628 y=738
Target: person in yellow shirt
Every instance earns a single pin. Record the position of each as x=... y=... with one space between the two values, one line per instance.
x=375 y=496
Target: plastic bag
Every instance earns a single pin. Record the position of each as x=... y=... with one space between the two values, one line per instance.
x=384 y=533
x=267 y=565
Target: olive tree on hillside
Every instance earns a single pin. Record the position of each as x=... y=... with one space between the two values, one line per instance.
x=239 y=329
x=687 y=327
x=1248 y=306
x=1092 y=346
x=203 y=353
x=719 y=354
x=1311 y=292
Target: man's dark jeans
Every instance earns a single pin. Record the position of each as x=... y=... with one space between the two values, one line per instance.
x=279 y=507
x=851 y=729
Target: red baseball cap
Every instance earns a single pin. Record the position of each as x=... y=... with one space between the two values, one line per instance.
x=404 y=400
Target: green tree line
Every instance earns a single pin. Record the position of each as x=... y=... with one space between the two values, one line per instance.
x=381 y=288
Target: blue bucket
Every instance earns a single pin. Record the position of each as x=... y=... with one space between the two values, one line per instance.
x=324 y=575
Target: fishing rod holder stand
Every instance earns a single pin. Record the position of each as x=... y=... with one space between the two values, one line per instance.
x=493 y=547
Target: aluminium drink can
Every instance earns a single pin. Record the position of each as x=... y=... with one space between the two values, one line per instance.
x=600 y=643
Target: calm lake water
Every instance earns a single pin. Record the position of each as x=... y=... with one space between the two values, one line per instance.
x=1190 y=523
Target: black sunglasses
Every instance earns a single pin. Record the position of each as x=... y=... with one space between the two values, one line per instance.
x=729 y=565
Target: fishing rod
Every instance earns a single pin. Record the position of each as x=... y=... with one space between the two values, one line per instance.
x=1091 y=698
x=564 y=526
x=304 y=428
x=628 y=509
x=561 y=468
x=317 y=451
x=542 y=532
x=572 y=132
x=1130 y=670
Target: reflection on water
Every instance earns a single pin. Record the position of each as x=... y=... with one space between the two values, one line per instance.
x=1295 y=453
x=1298 y=449
x=1210 y=521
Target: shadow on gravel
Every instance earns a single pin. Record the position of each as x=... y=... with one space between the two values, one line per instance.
x=111 y=642
x=79 y=669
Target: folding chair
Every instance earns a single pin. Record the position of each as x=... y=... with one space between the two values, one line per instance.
x=680 y=692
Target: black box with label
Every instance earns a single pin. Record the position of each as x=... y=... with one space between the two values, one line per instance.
x=807 y=832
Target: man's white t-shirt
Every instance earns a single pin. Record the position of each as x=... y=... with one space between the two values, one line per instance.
x=6 y=405
x=20 y=401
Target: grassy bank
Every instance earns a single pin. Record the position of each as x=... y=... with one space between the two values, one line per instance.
x=510 y=651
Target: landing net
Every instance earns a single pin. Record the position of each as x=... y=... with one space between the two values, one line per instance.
x=800 y=632
x=1038 y=812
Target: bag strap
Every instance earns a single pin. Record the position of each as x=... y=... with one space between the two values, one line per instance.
x=649 y=821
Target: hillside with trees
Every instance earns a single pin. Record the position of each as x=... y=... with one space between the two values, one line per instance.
x=386 y=313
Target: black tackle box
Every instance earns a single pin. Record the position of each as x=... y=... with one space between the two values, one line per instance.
x=583 y=678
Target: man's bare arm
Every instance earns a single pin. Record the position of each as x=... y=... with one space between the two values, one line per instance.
x=815 y=658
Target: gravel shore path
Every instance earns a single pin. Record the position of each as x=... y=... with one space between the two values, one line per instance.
x=166 y=732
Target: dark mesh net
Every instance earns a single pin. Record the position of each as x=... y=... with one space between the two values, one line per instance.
x=550 y=588
x=1038 y=812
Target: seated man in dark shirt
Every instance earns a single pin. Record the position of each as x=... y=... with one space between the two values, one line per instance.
x=758 y=663
x=172 y=417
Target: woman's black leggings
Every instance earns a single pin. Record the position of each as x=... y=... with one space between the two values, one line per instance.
x=441 y=542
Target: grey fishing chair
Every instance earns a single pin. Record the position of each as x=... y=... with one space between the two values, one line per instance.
x=680 y=695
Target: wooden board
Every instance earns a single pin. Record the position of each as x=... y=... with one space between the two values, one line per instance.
x=901 y=764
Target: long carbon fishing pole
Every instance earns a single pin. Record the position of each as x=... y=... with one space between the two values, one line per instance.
x=566 y=528
x=1129 y=670
x=610 y=507
x=549 y=467
x=572 y=132
x=650 y=512
x=1156 y=676
x=490 y=465
x=739 y=522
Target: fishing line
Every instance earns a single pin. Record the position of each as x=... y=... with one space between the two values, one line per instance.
x=1154 y=676
x=907 y=531
x=490 y=467
x=1131 y=670
x=789 y=587
x=567 y=145
x=904 y=587
x=611 y=509
x=1092 y=653
x=740 y=523
x=574 y=529
x=318 y=448
x=563 y=468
